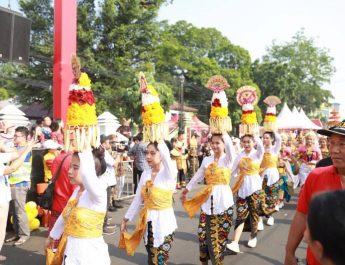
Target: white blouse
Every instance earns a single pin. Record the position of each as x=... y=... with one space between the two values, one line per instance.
x=272 y=173
x=94 y=197
x=221 y=194
x=163 y=221
x=251 y=183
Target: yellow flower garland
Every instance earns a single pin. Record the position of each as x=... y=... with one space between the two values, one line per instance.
x=249 y=118
x=270 y=118
x=219 y=112
x=153 y=114
x=81 y=115
x=84 y=80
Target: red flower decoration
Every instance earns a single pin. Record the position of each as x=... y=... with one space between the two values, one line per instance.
x=247 y=111
x=216 y=103
x=143 y=109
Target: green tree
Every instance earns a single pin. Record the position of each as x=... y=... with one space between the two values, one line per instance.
x=201 y=53
x=295 y=71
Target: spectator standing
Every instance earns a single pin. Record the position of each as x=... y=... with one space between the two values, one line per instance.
x=46 y=130
x=56 y=134
x=319 y=180
x=53 y=151
x=109 y=178
x=325 y=233
x=63 y=189
x=5 y=191
x=137 y=153
x=20 y=182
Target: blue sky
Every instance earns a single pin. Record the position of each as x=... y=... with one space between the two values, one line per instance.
x=254 y=24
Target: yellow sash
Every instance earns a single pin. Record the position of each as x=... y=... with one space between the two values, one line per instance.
x=214 y=175
x=268 y=161
x=246 y=167
x=80 y=223
x=154 y=199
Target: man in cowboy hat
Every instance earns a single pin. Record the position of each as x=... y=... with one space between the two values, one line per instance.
x=319 y=180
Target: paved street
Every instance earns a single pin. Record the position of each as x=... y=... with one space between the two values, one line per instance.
x=270 y=249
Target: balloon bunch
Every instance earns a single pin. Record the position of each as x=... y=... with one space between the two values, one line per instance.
x=32 y=212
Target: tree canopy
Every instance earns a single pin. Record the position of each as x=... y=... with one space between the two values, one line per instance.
x=295 y=71
x=119 y=38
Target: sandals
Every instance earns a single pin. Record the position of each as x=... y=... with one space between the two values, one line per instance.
x=20 y=241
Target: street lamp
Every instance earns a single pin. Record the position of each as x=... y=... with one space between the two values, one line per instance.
x=182 y=79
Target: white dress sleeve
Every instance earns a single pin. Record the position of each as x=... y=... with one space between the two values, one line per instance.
x=166 y=160
x=235 y=165
x=198 y=176
x=58 y=228
x=277 y=144
x=95 y=186
x=229 y=150
x=259 y=154
x=137 y=201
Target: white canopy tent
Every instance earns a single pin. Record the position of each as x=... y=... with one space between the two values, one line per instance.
x=306 y=122
x=13 y=115
x=285 y=118
x=294 y=119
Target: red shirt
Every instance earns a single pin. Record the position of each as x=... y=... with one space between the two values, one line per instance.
x=319 y=180
x=63 y=188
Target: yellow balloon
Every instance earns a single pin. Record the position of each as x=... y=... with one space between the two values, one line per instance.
x=32 y=213
x=30 y=205
x=34 y=224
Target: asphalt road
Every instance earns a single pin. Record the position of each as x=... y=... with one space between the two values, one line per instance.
x=270 y=248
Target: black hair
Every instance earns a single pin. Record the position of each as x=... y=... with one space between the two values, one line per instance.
x=103 y=138
x=168 y=144
x=173 y=140
x=180 y=132
x=247 y=135
x=155 y=144
x=140 y=137
x=272 y=135
x=39 y=121
x=100 y=164
x=54 y=126
x=23 y=130
x=98 y=157
x=326 y=224
x=217 y=135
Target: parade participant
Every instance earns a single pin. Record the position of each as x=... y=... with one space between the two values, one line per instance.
x=250 y=201
x=325 y=233
x=20 y=182
x=216 y=200
x=81 y=222
x=269 y=168
x=308 y=155
x=193 y=155
x=157 y=222
x=286 y=181
x=323 y=146
x=320 y=179
x=180 y=155
x=5 y=191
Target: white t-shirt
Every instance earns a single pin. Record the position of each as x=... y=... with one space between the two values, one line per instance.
x=109 y=176
x=5 y=190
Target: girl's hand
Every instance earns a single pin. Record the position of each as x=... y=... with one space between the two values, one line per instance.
x=48 y=243
x=123 y=227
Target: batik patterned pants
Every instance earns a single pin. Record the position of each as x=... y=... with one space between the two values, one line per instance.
x=213 y=234
x=271 y=194
x=160 y=255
